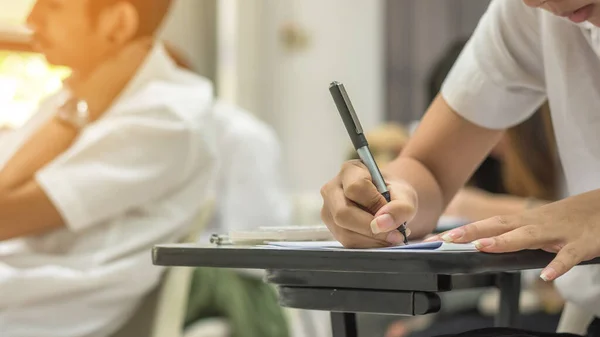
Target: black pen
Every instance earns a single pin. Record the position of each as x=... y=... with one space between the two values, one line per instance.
x=355 y=131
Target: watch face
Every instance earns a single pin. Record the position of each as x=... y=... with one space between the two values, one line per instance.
x=81 y=108
x=75 y=112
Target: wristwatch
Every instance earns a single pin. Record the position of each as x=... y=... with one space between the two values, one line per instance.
x=75 y=113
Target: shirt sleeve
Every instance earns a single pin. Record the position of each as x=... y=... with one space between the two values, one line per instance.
x=254 y=195
x=116 y=165
x=498 y=80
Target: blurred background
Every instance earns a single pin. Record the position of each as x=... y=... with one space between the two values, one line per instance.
x=276 y=59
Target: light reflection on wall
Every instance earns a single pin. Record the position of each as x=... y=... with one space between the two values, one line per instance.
x=25 y=79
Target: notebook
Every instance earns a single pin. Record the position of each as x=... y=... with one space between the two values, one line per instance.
x=334 y=245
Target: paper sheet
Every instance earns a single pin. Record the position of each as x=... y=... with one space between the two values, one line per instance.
x=422 y=246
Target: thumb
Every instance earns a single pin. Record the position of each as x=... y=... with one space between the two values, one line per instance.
x=402 y=208
x=567 y=258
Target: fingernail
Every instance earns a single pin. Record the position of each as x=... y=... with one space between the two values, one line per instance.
x=382 y=223
x=453 y=235
x=395 y=238
x=549 y=274
x=483 y=243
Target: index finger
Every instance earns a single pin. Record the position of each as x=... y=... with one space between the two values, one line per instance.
x=522 y=238
x=567 y=258
x=478 y=230
x=359 y=188
x=346 y=214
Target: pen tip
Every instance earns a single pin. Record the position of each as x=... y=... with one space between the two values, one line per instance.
x=334 y=84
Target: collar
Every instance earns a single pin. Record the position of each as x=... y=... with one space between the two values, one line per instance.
x=592 y=34
x=158 y=65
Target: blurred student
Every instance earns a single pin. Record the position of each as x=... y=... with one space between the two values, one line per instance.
x=249 y=194
x=117 y=161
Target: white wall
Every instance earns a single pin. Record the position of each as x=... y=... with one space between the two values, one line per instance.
x=191 y=28
x=14 y=10
x=289 y=89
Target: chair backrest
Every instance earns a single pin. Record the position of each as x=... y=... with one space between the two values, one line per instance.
x=574 y=320
x=171 y=306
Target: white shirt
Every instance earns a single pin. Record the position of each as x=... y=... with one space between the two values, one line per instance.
x=250 y=189
x=518 y=57
x=132 y=179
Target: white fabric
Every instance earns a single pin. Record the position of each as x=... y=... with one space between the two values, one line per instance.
x=517 y=57
x=574 y=320
x=250 y=190
x=134 y=178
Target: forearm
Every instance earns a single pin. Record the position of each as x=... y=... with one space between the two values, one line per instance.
x=27 y=211
x=476 y=205
x=439 y=159
x=508 y=204
x=45 y=145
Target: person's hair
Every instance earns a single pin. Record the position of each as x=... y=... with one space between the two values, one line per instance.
x=529 y=165
x=442 y=67
x=151 y=12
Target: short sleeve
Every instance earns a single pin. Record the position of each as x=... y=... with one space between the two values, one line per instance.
x=118 y=164
x=498 y=80
x=254 y=194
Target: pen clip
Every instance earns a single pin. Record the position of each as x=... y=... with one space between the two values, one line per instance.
x=357 y=126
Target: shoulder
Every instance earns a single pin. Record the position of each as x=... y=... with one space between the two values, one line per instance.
x=508 y=24
x=168 y=106
x=185 y=100
x=236 y=125
x=163 y=118
x=513 y=10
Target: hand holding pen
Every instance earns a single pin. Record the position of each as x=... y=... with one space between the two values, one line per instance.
x=360 y=208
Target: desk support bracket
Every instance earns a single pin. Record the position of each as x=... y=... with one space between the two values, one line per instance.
x=510 y=291
x=343 y=324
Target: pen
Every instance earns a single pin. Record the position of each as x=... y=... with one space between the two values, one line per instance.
x=355 y=131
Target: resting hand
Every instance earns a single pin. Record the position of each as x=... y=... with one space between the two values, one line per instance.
x=358 y=215
x=570 y=228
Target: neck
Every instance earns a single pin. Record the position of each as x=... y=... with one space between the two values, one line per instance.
x=82 y=72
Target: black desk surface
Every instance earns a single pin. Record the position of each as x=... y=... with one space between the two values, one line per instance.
x=384 y=282
x=405 y=262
